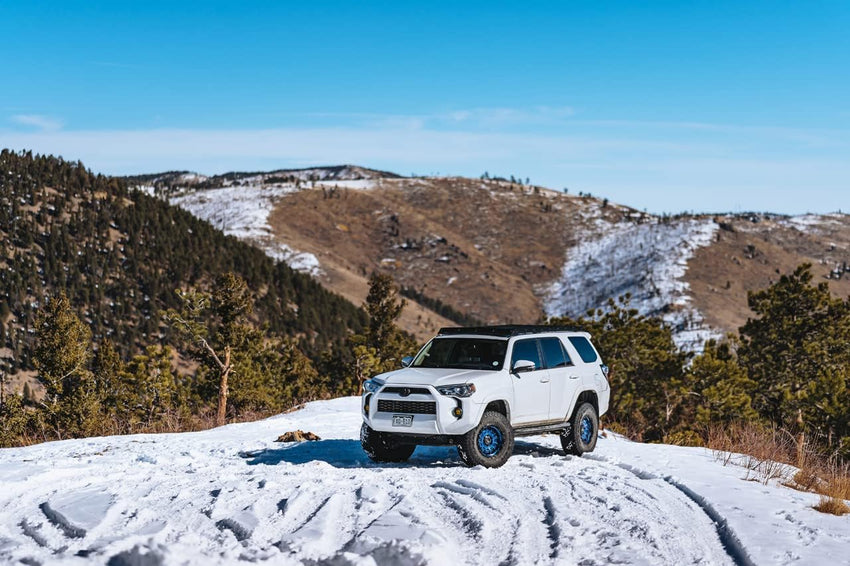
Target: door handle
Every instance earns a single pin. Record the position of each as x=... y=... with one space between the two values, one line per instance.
x=544 y=380
x=573 y=377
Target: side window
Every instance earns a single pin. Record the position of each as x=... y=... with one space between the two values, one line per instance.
x=554 y=354
x=584 y=349
x=526 y=350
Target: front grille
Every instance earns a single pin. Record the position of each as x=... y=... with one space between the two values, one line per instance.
x=405 y=391
x=414 y=407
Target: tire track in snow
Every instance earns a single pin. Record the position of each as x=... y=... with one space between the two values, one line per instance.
x=728 y=538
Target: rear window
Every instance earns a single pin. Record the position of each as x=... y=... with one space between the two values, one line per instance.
x=584 y=349
x=554 y=354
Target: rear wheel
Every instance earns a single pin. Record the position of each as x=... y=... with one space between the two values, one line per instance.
x=489 y=444
x=581 y=436
x=379 y=446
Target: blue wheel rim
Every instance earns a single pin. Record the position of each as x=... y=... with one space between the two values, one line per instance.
x=586 y=429
x=490 y=441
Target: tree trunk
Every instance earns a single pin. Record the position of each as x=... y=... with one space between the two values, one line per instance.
x=222 y=389
x=801 y=440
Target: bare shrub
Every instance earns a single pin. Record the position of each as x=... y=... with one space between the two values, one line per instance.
x=763 y=451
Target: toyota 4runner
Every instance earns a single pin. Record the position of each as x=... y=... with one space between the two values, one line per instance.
x=479 y=388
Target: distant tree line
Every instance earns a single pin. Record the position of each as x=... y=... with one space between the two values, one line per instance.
x=439 y=307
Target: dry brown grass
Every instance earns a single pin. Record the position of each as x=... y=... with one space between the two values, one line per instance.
x=832 y=505
x=765 y=453
x=772 y=454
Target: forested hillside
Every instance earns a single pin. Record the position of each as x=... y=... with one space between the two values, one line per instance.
x=120 y=255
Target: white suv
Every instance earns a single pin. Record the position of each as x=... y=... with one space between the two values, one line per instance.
x=478 y=388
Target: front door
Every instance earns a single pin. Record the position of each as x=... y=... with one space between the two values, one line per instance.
x=531 y=388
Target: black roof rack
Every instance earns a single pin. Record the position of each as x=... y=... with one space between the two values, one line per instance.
x=505 y=330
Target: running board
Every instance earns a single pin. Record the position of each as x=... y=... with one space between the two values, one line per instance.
x=532 y=430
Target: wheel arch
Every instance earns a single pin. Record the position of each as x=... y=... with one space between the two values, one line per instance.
x=586 y=396
x=498 y=406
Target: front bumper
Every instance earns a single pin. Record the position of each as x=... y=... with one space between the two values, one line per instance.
x=441 y=422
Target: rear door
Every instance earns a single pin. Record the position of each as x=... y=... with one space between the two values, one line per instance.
x=565 y=379
x=531 y=388
x=588 y=363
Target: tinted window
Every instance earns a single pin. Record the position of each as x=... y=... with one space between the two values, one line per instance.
x=526 y=350
x=462 y=353
x=584 y=349
x=553 y=353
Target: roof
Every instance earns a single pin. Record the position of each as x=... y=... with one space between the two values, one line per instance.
x=505 y=330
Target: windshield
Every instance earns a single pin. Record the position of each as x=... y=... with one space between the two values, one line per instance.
x=462 y=353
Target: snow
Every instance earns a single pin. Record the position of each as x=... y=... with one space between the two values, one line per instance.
x=814 y=223
x=243 y=211
x=645 y=259
x=354 y=184
x=232 y=494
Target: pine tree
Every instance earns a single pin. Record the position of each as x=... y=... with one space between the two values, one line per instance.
x=61 y=358
x=796 y=351
x=384 y=344
x=719 y=387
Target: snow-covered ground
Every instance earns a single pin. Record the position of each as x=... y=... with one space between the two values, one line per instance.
x=243 y=211
x=647 y=260
x=233 y=494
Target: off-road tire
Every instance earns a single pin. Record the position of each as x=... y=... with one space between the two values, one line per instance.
x=584 y=420
x=380 y=447
x=474 y=446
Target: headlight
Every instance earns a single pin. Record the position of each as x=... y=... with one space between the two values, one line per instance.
x=464 y=390
x=372 y=385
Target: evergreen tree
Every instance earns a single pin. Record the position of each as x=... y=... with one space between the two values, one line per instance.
x=61 y=357
x=267 y=373
x=718 y=387
x=796 y=351
x=384 y=344
x=14 y=420
x=154 y=390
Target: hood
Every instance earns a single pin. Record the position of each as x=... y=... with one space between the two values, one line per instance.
x=433 y=376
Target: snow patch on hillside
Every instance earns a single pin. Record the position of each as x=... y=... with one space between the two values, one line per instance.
x=647 y=260
x=243 y=211
x=814 y=223
x=354 y=184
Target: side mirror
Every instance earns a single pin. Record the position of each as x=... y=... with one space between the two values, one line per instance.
x=521 y=366
x=406 y=361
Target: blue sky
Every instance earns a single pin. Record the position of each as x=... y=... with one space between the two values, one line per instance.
x=667 y=106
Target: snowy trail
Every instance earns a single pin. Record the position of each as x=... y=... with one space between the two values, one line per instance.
x=233 y=494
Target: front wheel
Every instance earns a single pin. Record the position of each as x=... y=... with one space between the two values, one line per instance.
x=380 y=448
x=581 y=436
x=489 y=444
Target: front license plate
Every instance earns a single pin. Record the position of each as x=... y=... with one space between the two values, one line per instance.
x=402 y=420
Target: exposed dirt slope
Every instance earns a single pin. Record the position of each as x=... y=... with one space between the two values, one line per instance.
x=485 y=248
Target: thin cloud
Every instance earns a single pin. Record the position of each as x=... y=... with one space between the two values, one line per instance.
x=43 y=123
x=468 y=118
x=509 y=116
x=741 y=168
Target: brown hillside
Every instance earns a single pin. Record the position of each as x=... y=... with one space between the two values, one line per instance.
x=750 y=255
x=484 y=247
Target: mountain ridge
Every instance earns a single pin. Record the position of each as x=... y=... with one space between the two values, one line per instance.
x=496 y=250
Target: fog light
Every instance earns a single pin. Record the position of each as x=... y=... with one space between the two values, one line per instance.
x=457 y=412
x=366 y=408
